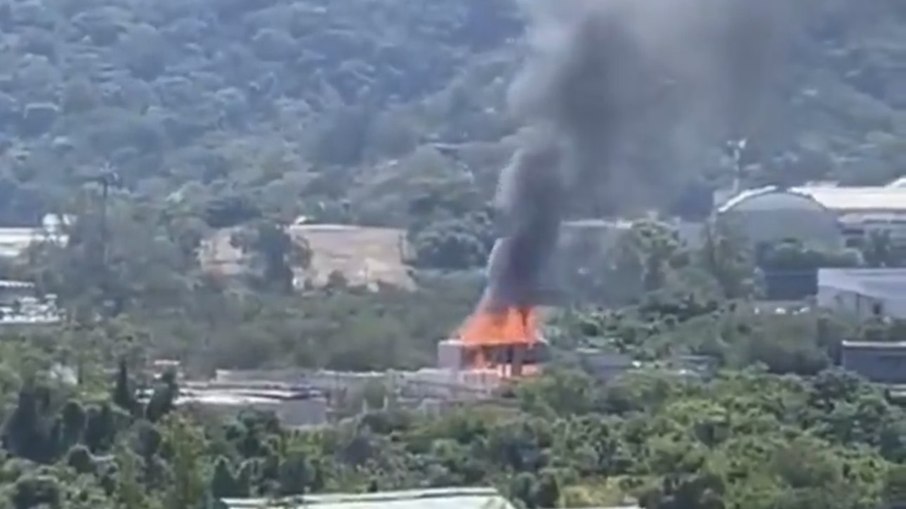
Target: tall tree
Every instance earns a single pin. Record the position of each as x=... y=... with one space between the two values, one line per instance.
x=186 y=446
x=274 y=254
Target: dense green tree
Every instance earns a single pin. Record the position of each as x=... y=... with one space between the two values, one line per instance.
x=100 y=428
x=274 y=253
x=223 y=482
x=27 y=432
x=37 y=491
x=123 y=393
x=73 y=421
x=163 y=398
x=185 y=445
x=295 y=473
x=728 y=259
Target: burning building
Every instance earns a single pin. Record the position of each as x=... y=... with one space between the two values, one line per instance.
x=506 y=345
x=609 y=90
x=503 y=333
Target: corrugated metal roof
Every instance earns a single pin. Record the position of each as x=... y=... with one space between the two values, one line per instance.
x=15 y=285
x=900 y=182
x=448 y=498
x=14 y=241
x=838 y=199
x=877 y=283
x=850 y=199
x=876 y=345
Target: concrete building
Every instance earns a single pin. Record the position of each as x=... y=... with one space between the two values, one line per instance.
x=863 y=293
x=15 y=240
x=19 y=305
x=880 y=362
x=440 y=382
x=295 y=407
x=509 y=359
x=823 y=215
x=448 y=383
x=445 y=498
x=11 y=291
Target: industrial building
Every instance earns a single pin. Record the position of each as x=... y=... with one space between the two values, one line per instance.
x=863 y=293
x=879 y=362
x=294 y=407
x=19 y=305
x=823 y=215
x=435 y=388
x=15 y=240
x=444 y=498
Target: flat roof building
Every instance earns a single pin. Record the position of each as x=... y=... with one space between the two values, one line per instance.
x=294 y=407
x=20 y=307
x=15 y=240
x=444 y=498
x=880 y=362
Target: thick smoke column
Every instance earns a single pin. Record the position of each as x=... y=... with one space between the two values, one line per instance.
x=606 y=83
x=530 y=195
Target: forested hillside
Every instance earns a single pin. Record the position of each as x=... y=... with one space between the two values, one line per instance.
x=304 y=106
x=289 y=102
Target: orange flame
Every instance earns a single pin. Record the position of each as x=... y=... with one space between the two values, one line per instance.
x=510 y=326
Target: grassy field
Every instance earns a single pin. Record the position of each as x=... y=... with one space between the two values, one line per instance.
x=364 y=256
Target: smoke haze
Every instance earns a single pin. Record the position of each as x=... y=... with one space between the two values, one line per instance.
x=608 y=83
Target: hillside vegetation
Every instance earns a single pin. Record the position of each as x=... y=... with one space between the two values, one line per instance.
x=316 y=107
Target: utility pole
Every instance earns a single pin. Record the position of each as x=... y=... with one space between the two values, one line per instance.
x=735 y=149
x=107 y=178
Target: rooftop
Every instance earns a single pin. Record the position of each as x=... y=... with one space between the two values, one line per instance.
x=29 y=312
x=6 y=284
x=900 y=182
x=881 y=283
x=838 y=199
x=858 y=198
x=230 y=399
x=447 y=498
x=876 y=345
x=241 y=394
x=15 y=240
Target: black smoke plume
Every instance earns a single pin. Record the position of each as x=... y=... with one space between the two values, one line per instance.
x=610 y=88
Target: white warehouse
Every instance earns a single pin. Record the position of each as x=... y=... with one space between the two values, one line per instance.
x=824 y=215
